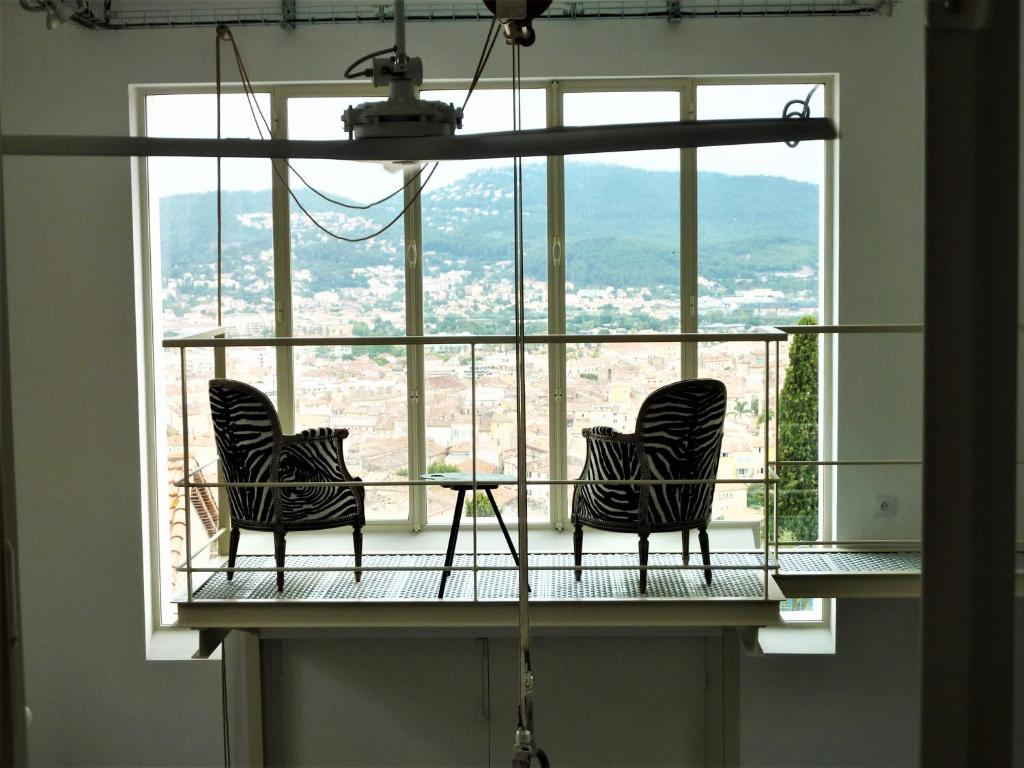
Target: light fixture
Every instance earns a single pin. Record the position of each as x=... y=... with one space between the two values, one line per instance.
x=403 y=114
x=59 y=12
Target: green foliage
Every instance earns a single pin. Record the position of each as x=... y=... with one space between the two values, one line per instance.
x=588 y=375
x=755 y=496
x=479 y=506
x=798 y=439
x=402 y=472
x=440 y=468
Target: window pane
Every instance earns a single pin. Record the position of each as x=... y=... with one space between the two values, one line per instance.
x=350 y=289
x=759 y=255
x=622 y=266
x=469 y=288
x=183 y=250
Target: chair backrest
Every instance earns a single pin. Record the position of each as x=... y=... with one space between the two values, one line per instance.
x=679 y=432
x=248 y=435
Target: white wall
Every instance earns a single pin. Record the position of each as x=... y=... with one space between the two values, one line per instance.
x=75 y=366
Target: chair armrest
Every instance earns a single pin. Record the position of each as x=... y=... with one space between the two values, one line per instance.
x=607 y=434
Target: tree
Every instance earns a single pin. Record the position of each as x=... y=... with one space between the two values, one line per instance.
x=480 y=506
x=798 y=439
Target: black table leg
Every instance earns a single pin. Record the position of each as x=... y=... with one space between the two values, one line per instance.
x=504 y=530
x=452 y=538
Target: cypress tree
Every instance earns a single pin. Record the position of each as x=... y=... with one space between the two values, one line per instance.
x=798 y=439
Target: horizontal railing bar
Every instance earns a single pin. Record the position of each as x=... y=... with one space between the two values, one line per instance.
x=208 y=333
x=848 y=462
x=473 y=483
x=853 y=328
x=910 y=544
x=451 y=568
x=424 y=341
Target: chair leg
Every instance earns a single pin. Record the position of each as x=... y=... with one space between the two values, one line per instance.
x=357 y=545
x=686 y=546
x=705 y=554
x=644 y=544
x=577 y=551
x=233 y=550
x=279 y=558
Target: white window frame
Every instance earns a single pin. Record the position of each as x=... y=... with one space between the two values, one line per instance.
x=412 y=238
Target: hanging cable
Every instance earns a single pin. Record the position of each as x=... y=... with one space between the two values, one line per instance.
x=525 y=748
x=349 y=74
x=798 y=109
x=257 y=114
x=485 y=54
x=256 y=109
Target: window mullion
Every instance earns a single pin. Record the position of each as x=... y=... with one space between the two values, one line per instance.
x=557 y=437
x=414 y=359
x=688 y=236
x=283 y=325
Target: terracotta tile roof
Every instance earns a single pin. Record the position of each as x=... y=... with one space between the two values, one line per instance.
x=202 y=503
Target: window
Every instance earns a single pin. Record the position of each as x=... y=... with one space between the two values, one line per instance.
x=727 y=238
x=760 y=251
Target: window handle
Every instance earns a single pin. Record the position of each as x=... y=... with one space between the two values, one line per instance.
x=556 y=251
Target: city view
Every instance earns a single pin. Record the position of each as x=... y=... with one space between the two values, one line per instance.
x=758 y=254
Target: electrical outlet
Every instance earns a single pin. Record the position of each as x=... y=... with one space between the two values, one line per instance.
x=885 y=506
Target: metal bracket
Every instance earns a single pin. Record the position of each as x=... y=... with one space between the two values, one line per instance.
x=674 y=11
x=960 y=15
x=209 y=641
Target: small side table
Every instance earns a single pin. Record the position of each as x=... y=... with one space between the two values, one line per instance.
x=462 y=482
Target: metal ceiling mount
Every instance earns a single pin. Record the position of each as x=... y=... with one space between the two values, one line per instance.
x=403 y=114
x=114 y=14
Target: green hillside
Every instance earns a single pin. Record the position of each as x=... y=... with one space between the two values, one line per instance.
x=621 y=231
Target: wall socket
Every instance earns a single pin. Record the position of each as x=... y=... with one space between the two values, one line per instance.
x=885 y=506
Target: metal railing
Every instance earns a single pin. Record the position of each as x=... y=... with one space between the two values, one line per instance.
x=216 y=340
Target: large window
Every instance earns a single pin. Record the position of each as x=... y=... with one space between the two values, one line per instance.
x=760 y=255
x=645 y=242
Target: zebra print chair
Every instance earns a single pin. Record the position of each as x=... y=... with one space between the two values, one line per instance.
x=678 y=436
x=252 y=449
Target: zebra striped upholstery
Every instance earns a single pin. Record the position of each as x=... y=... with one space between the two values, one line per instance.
x=678 y=437
x=253 y=450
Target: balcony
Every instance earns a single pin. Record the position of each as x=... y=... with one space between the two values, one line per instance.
x=755 y=575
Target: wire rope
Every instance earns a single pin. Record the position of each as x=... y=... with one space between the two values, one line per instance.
x=255 y=109
x=485 y=54
x=526 y=747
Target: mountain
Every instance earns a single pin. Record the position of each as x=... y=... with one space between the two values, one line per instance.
x=622 y=230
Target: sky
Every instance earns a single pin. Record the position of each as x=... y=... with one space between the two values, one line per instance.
x=488 y=110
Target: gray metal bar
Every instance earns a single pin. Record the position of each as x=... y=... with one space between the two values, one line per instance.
x=759 y=566
x=420 y=483
x=540 y=142
x=970 y=376
x=858 y=328
x=366 y=341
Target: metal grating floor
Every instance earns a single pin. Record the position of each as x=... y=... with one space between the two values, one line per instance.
x=838 y=562
x=490 y=585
